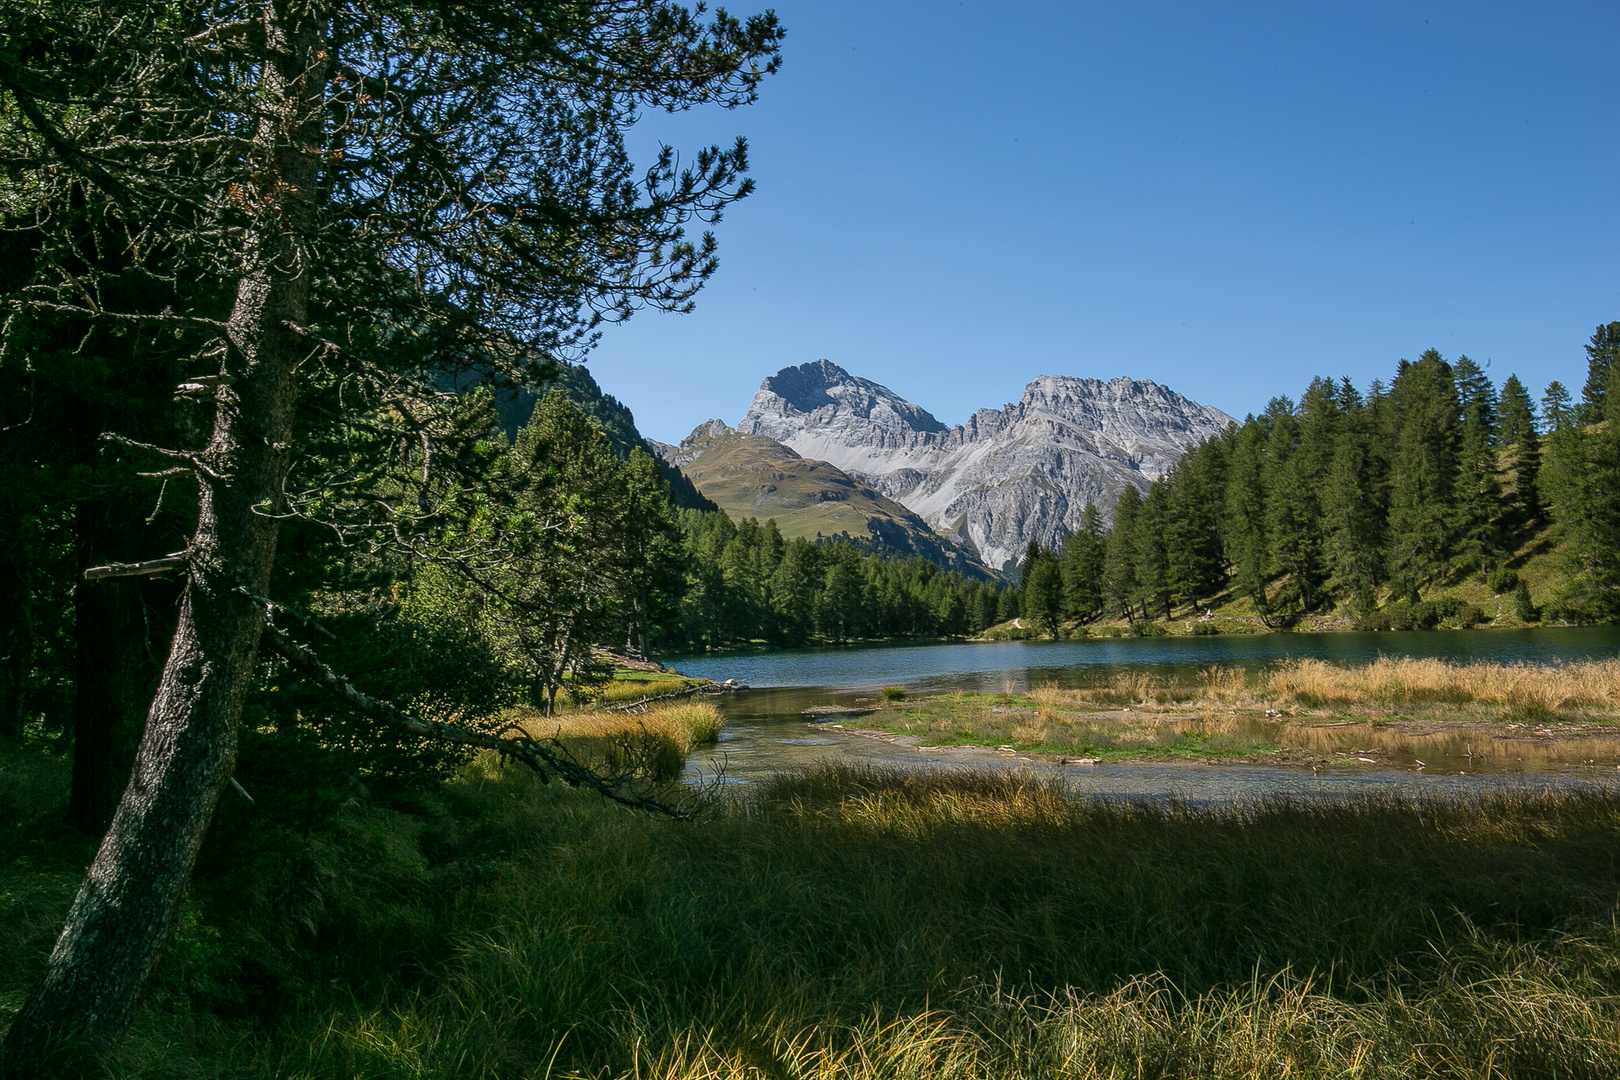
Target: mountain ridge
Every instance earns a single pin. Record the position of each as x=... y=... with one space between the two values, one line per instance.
x=1004 y=476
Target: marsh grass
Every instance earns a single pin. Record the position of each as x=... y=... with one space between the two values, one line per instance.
x=1526 y=689
x=654 y=741
x=1066 y=722
x=850 y=923
x=1133 y=714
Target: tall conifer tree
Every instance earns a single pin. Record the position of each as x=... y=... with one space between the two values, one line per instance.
x=1082 y=563
x=1424 y=470
x=1153 y=586
x=1602 y=360
x=1119 y=559
x=1517 y=436
x=1354 y=506
x=1244 y=517
x=1477 y=525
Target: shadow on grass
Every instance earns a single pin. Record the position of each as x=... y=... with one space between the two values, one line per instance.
x=860 y=923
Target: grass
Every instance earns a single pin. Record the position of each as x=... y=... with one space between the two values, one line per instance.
x=846 y=923
x=653 y=742
x=1045 y=721
x=627 y=686
x=1135 y=715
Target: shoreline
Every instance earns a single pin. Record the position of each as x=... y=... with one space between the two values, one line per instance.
x=1166 y=630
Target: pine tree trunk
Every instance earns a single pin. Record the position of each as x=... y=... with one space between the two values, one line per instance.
x=126 y=908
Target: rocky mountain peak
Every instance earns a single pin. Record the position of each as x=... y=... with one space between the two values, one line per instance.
x=1006 y=476
x=824 y=394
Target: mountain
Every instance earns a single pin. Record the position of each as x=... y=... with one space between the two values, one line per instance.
x=1006 y=476
x=753 y=476
x=608 y=414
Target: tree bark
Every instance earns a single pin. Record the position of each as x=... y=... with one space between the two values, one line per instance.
x=126 y=908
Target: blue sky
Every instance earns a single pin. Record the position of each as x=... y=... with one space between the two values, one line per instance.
x=955 y=197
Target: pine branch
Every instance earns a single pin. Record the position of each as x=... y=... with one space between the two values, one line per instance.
x=547 y=758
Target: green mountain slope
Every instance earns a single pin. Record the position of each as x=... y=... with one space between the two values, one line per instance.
x=611 y=416
x=753 y=476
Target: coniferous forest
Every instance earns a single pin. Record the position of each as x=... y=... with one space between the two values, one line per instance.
x=1363 y=502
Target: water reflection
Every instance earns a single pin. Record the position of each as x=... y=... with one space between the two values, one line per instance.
x=1019 y=665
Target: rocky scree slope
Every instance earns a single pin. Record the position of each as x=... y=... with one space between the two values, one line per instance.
x=1006 y=476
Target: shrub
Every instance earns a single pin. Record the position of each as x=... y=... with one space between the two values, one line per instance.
x=1426 y=614
x=1148 y=629
x=894 y=693
x=1522 y=606
x=1503 y=580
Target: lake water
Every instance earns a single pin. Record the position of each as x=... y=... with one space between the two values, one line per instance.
x=767 y=732
x=1019 y=665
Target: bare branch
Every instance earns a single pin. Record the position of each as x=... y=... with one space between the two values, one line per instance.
x=138 y=569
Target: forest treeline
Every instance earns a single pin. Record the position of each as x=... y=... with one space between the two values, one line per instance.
x=744 y=582
x=1366 y=500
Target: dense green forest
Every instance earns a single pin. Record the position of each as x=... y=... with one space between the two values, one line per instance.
x=1364 y=502
x=745 y=583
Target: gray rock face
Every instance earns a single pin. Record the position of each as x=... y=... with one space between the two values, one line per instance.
x=1003 y=478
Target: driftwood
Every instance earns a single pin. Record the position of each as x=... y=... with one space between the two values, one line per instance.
x=730 y=686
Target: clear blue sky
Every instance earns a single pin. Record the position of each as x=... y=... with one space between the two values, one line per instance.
x=1227 y=199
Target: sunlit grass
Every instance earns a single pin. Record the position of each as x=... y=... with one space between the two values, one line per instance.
x=657 y=737
x=1137 y=714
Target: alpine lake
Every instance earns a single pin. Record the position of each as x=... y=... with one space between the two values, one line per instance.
x=768 y=730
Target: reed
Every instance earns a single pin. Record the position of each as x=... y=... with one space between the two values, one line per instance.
x=1527 y=690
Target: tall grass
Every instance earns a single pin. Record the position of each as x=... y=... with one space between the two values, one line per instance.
x=1534 y=689
x=1591 y=684
x=845 y=923
x=654 y=740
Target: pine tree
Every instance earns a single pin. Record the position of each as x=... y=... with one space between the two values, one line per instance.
x=793 y=592
x=1299 y=457
x=1559 y=480
x=1602 y=358
x=1196 y=563
x=1119 y=557
x=1082 y=564
x=1477 y=526
x=1423 y=471
x=1516 y=435
x=1244 y=515
x=1353 y=507
x=1041 y=588
x=1150 y=536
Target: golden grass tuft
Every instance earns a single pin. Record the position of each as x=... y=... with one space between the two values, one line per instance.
x=654 y=741
x=1531 y=688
